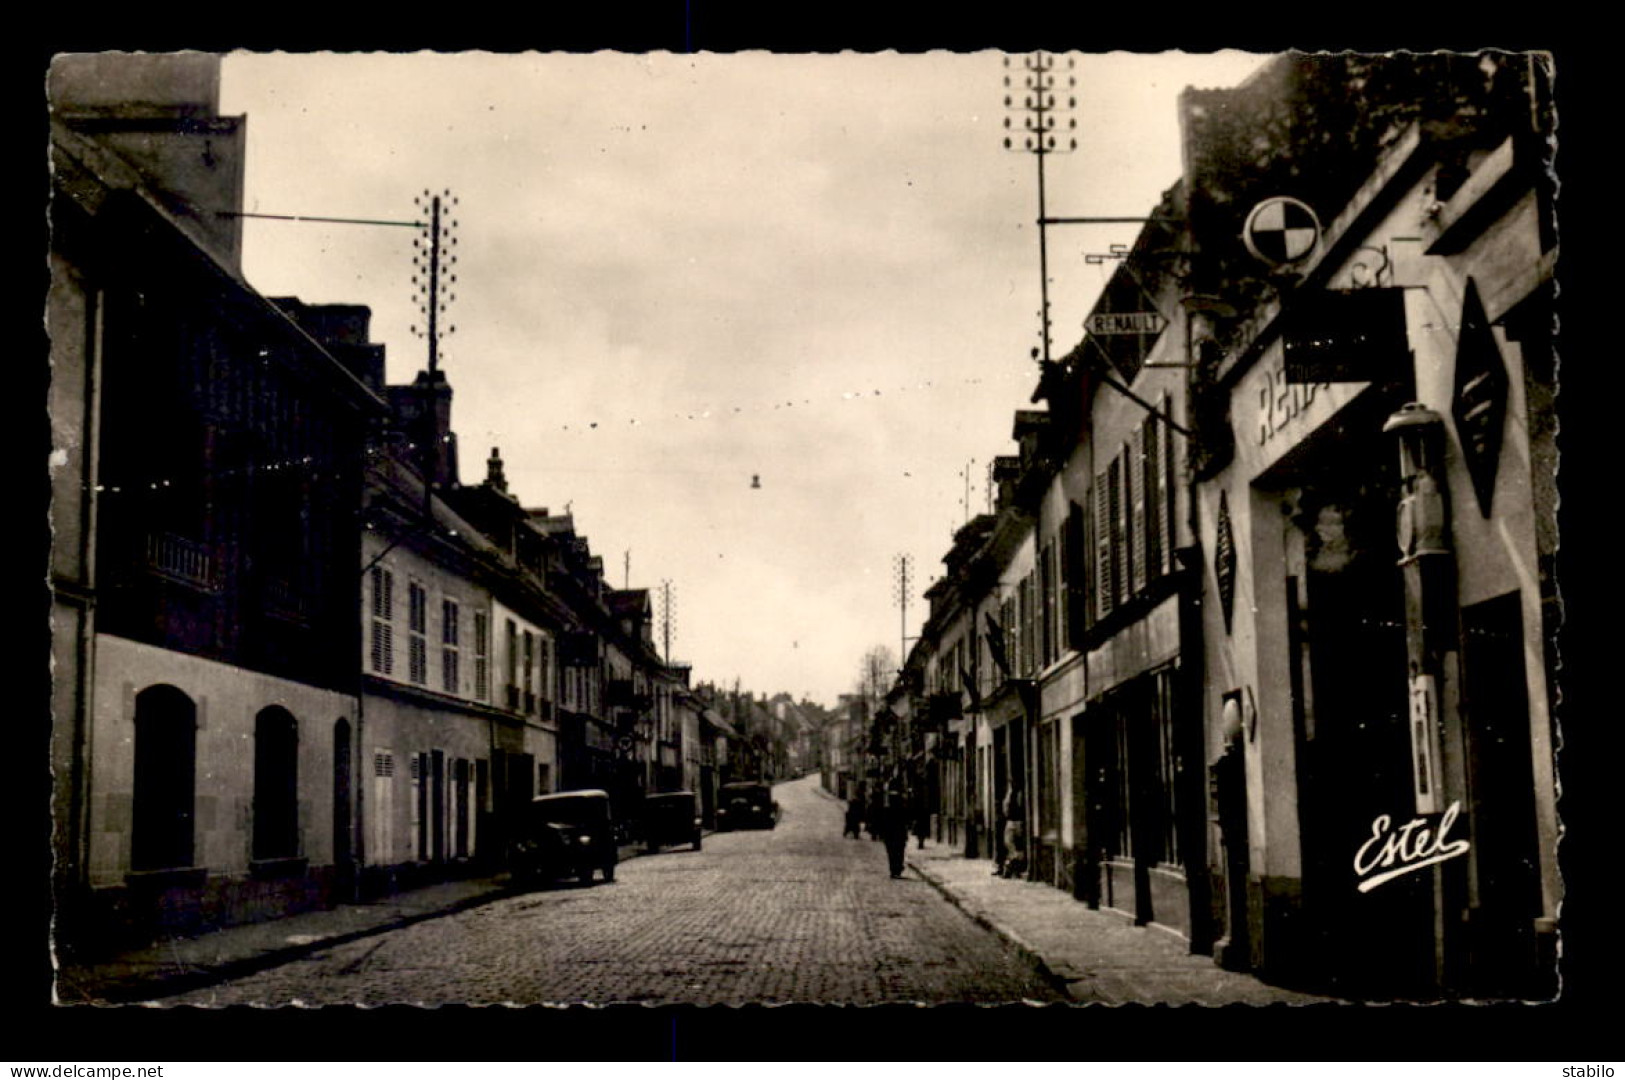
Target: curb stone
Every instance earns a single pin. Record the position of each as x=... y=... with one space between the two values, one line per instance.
x=987 y=922
x=168 y=984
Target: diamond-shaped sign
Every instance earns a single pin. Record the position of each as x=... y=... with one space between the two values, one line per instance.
x=1224 y=561
x=1479 y=404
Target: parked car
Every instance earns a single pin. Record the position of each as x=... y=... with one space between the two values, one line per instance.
x=566 y=835
x=671 y=817
x=747 y=805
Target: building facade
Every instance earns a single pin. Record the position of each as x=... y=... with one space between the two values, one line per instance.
x=207 y=459
x=1368 y=680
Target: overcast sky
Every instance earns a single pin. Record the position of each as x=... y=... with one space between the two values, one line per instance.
x=680 y=272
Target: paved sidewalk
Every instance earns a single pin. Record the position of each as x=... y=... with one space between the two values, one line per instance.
x=1095 y=956
x=176 y=965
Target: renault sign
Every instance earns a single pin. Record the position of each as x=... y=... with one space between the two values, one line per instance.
x=1125 y=322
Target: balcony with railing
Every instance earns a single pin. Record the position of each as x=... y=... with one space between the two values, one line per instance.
x=178 y=559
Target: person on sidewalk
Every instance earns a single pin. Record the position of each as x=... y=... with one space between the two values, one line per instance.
x=1015 y=836
x=854 y=819
x=922 y=818
x=874 y=812
x=894 y=830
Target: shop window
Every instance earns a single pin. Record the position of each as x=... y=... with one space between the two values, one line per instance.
x=1049 y=778
x=164 y=781
x=1167 y=769
x=276 y=784
x=1121 y=779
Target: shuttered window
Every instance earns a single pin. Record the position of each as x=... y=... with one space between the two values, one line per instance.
x=1165 y=488
x=482 y=662
x=450 y=673
x=417 y=631
x=382 y=650
x=1074 y=593
x=1135 y=466
x=381 y=839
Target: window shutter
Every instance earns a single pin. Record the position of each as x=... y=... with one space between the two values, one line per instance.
x=1155 y=535
x=418 y=659
x=1166 y=485
x=381 y=835
x=1047 y=583
x=1105 y=584
x=1119 y=509
x=1064 y=562
x=1134 y=461
x=383 y=648
x=450 y=616
x=1074 y=563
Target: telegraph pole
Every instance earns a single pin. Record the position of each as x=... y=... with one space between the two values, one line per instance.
x=434 y=260
x=668 y=616
x=1039 y=103
x=902 y=564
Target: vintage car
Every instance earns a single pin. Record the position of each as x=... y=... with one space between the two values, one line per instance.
x=671 y=817
x=747 y=805
x=566 y=835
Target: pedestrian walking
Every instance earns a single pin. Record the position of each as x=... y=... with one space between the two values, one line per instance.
x=894 y=830
x=922 y=820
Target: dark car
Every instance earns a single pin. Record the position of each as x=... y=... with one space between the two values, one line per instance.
x=671 y=817
x=567 y=835
x=747 y=805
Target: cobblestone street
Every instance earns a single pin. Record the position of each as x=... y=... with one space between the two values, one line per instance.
x=793 y=914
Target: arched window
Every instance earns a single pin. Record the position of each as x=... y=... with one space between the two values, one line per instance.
x=165 y=769
x=276 y=784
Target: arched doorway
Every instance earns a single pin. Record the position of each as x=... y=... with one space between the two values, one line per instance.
x=343 y=845
x=276 y=784
x=164 y=780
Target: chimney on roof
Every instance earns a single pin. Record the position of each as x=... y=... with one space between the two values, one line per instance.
x=494 y=476
x=1005 y=471
x=423 y=411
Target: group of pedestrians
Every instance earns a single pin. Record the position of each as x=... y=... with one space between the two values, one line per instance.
x=889 y=814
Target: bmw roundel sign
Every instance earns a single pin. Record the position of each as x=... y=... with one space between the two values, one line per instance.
x=1281 y=230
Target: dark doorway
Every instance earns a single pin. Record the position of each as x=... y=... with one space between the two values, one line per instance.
x=437 y=805
x=460 y=807
x=164 y=781
x=1356 y=756
x=276 y=784
x=1501 y=785
x=343 y=844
